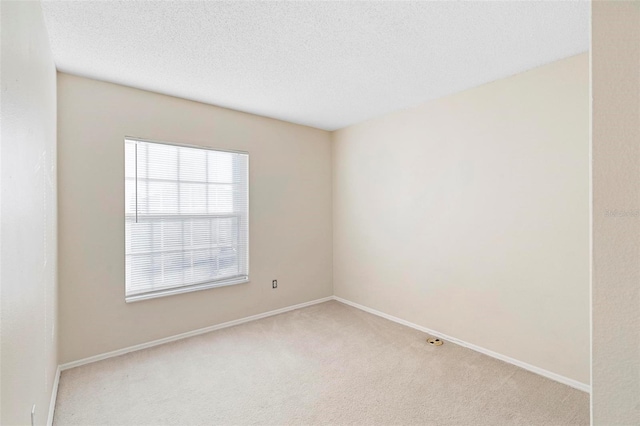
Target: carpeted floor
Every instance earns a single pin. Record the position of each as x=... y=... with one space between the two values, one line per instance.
x=325 y=364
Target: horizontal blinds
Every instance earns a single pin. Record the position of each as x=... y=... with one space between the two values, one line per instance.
x=186 y=216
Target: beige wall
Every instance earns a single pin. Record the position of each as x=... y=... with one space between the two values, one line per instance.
x=290 y=214
x=28 y=231
x=616 y=213
x=469 y=215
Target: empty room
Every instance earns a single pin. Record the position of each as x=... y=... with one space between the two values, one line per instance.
x=320 y=213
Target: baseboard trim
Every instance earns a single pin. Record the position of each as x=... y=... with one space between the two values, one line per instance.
x=54 y=397
x=540 y=371
x=181 y=336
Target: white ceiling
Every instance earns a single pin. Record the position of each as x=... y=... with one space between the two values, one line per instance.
x=322 y=64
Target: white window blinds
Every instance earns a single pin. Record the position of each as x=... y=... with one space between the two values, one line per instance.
x=186 y=218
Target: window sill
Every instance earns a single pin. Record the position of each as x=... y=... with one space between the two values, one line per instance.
x=186 y=289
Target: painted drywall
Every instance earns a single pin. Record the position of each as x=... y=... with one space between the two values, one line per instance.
x=469 y=215
x=28 y=244
x=616 y=213
x=290 y=214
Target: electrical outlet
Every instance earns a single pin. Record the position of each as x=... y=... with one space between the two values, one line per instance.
x=274 y=284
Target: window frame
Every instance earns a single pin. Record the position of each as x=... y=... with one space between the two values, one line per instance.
x=199 y=285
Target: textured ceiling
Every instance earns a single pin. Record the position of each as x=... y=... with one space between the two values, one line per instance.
x=322 y=64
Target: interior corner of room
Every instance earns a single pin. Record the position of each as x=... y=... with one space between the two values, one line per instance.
x=501 y=218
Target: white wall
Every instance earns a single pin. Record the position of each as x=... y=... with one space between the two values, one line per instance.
x=616 y=213
x=290 y=214
x=28 y=244
x=469 y=215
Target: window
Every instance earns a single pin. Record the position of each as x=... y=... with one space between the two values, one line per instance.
x=186 y=219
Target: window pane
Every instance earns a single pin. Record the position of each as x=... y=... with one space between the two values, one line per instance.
x=186 y=216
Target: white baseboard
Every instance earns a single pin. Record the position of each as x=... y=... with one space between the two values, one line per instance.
x=146 y=345
x=54 y=396
x=542 y=372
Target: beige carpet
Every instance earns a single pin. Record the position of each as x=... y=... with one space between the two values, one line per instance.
x=325 y=364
